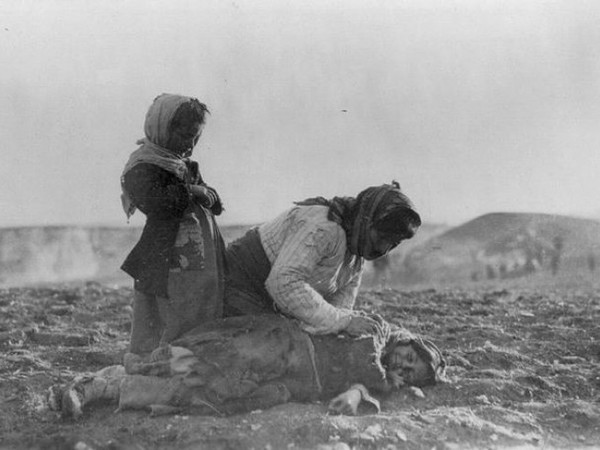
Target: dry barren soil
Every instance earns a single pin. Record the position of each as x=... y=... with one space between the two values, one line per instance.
x=524 y=372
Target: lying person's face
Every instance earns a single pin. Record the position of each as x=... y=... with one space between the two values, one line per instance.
x=403 y=361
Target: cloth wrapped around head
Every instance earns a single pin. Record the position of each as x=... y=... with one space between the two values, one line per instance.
x=385 y=208
x=157 y=129
x=427 y=351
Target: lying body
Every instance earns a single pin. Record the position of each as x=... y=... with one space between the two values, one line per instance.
x=243 y=363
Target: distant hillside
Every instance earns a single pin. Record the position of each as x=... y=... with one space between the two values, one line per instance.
x=505 y=245
x=31 y=255
x=493 y=245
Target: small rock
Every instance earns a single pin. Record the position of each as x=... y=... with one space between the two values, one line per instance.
x=572 y=360
x=336 y=446
x=372 y=433
x=61 y=310
x=417 y=392
x=483 y=399
x=401 y=435
x=374 y=430
x=82 y=446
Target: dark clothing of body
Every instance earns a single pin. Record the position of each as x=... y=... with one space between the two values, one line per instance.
x=178 y=263
x=243 y=363
x=247 y=270
x=342 y=361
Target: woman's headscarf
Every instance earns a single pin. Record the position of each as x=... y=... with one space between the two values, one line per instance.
x=384 y=208
x=152 y=149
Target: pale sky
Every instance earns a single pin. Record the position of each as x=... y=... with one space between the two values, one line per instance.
x=473 y=106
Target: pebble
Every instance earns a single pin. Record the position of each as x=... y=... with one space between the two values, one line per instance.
x=336 y=446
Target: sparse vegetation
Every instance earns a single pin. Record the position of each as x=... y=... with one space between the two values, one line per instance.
x=524 y=364
x=524 y=354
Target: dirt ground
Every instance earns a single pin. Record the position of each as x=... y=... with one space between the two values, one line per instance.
x=524 y=373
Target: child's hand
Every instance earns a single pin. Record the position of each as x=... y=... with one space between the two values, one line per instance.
x=206 y=195
x=361 y=325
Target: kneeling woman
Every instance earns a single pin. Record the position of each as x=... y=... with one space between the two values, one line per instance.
x=239 y=364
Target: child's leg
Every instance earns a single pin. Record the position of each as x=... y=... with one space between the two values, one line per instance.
x=146 y=324
x=171 y=315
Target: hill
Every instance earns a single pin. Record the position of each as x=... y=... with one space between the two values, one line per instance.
x=505 y=245
x=48 y=254
x=498 y=244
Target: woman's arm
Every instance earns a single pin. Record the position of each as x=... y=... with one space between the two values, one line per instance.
x=312 y=255
x=298 y=264
x=345 y=297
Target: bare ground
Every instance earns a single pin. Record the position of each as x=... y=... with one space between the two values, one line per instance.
x=524 y=372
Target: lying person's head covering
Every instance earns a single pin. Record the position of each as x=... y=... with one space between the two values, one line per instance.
x=425 y=349
x=384 y=208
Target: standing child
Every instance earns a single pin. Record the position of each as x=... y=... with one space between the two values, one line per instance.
x=177 y=265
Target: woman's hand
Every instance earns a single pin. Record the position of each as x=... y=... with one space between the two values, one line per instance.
x=360 y=325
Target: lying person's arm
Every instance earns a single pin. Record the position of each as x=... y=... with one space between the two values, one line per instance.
x=348 y=402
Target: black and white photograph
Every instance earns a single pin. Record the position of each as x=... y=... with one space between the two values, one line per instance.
x=286 y=224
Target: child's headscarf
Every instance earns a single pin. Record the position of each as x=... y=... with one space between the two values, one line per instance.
x=152 y=149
